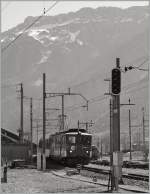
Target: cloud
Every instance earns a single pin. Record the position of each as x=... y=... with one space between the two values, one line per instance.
x=38 y=82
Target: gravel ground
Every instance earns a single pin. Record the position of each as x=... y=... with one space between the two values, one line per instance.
x=33 y=181
x=142 y=184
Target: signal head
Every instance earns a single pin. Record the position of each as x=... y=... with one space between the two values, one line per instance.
x=116 y=81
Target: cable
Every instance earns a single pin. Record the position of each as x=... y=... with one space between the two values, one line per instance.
x=7 y=46
x=85 y=82
x=102 y=97
x=138 y=59
x=90 y=102
x=143 y=62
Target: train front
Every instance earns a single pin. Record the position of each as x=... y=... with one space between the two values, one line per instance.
x=79 y=146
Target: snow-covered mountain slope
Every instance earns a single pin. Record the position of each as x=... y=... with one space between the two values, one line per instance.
x=77 y=50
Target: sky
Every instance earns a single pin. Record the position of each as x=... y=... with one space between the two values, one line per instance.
x=15 y=12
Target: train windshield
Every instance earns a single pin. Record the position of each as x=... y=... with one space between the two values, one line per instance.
x=72 y=139
x=86 y=140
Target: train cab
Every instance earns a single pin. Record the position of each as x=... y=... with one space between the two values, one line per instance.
x=79 y=145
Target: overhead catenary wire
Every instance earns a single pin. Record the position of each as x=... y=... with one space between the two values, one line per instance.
x=96 y=78
x=28 y=27
x=137 y=60
x=143 y=62
x=88 y=80
x=102 y=97
x=94 y=100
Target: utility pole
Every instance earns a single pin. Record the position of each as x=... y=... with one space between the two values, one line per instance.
x=63 y=119
x=37 y=125
x=116 y=89
x=116 y=116
x=143 y=125
x=130 y=133
x=62 y=95
x=21 y=114
x=44 y=118
x=78 y=126
x=86 y=126
x=101 y=148
x=115 y=154
x=111 y=134
x=139 y=139
x=98 y=144
x=31 y=140
x=111 y=146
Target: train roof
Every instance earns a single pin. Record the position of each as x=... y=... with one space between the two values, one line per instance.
x=73 y=131
x=76 y=133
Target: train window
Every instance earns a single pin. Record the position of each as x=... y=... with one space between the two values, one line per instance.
x=86 y=140
x=72 y=139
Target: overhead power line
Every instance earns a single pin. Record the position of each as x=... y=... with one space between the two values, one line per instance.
x=102 y=97
x=147 y=59
x=132 y=62
x=28 y=27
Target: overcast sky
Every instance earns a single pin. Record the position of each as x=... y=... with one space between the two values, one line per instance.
x=13 y=12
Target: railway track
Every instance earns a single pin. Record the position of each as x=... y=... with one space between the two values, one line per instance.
x=125 y=175
x=103 y=183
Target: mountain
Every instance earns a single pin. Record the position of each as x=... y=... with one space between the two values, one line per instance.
x=76 y=50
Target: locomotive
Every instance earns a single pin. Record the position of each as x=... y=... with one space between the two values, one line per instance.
x=69 y=147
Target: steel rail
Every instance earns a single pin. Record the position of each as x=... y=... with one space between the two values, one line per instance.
x=127 y=175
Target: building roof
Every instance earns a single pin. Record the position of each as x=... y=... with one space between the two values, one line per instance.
x=8 y=137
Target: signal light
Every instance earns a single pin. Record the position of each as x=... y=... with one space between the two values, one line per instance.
x=116 y=81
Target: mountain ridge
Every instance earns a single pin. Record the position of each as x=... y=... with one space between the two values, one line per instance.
x=78 y=52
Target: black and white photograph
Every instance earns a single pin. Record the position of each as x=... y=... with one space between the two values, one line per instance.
x=75 y=96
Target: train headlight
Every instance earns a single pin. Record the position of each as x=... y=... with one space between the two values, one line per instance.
x=72 y=148
x=70 y=151
x=87 y=151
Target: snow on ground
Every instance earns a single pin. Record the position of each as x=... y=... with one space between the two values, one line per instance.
x=53 y=38
x=73 y=35
x=79 y=42
x=44 y=57
x=2 y=40
x=34 y=181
